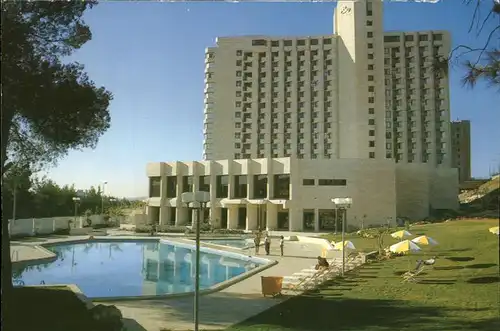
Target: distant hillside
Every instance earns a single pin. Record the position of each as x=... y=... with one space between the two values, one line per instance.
x=484 y=190
x=483 y=200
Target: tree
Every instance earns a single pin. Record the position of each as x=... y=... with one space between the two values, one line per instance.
x=481 y=63
x=380 y=234
x=48 y=107
x=16 y=189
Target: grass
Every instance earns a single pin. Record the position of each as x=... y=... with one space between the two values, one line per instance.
x=459 y=293
x=46 y=309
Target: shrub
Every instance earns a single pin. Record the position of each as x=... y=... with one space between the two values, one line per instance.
x=352 y=228
x=229 y=231
x=407 y=225
x=143 y=229
x=100 y=226
x=62 y=232
x=171 y=229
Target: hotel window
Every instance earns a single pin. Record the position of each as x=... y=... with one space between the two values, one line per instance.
x=308 y=182
x=187 y=184
x=332 y=182
x=282 y=186
x=204 y=183
x=154 y=187
x=240 y=186
x=260 y=186
x=222 y=186
x=171 y=186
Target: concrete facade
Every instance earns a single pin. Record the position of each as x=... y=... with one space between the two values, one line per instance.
x=461 y=149
x=295 y=194
x=356 y=93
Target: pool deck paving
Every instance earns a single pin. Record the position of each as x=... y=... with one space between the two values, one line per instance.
x=218 y=310
x=226 y=307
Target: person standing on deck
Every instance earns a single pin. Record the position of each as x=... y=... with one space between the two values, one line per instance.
x=267 y=244
x=256 y=241
x=282 y=244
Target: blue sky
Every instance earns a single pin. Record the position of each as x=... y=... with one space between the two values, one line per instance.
x=151 y=56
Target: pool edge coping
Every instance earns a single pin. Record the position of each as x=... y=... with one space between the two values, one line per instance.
x=215 y=288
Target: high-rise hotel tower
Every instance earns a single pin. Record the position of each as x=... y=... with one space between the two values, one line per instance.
x=357 y=93
x=291 y=123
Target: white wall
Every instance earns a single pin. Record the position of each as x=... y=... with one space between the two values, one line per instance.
x=28 y=226
x=370 y=183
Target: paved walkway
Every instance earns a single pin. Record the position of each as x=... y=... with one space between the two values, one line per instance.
x=218 y=310
x=225 y=308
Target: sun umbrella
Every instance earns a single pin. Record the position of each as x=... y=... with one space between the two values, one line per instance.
x=401 y=234
x=424 y=240
x=495 y=230
x=347 y=244
x=404 y=246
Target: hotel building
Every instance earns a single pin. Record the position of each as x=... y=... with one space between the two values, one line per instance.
x=461 y=151
x=357 y=113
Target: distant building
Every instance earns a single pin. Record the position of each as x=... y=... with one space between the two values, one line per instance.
x=460 y=149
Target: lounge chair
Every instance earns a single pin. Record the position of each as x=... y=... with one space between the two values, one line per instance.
x=410 y=276
x=309 y=279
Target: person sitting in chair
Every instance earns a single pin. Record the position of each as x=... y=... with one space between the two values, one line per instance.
x=322 y=263
x=430 y=261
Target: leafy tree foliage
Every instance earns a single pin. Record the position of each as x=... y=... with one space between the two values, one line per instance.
x=48 y=106
x=42 y=197
x=482 y=63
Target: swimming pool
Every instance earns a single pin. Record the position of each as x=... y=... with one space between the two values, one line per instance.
x=131 y=268
x=236 y=243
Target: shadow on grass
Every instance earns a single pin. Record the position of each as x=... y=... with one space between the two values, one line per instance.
x=451 y=267
x=437 y=281
x=461 y=258
x=484 y=280
x=480 y=266
x=465 y=249
x=315 y=313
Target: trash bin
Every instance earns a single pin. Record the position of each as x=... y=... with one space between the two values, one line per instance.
x=271 y=285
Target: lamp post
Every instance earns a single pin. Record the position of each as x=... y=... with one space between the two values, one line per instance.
x=77 y=201
x=343 y=204
x=197 y=199
x=102 y=197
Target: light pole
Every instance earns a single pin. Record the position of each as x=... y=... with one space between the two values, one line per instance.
x=197 y=199
x=343 y=204
x=102 y=197
x=77 y=201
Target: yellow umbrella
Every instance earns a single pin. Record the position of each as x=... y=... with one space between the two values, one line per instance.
x=401 y=234
x=424 y=240
x=495 y=230
x=404 y=246
x=347 y=244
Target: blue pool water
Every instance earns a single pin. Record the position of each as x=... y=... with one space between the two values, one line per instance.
x=237 y=243
x=105 y=269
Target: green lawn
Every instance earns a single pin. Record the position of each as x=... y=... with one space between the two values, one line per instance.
x=460 y=293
